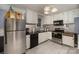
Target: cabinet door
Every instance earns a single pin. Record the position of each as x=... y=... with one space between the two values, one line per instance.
x=48 y=35
x=42 y=37
x=61 y=16
x=58 y=16
x=34 y=17
x=28 y=16
x=68 y=40
x=52 y=18
x=48 y=20
x=31 y=16
x=76 y=13
x=70 y=17
x=55 y=17
x=65 y=17
x=44 y=20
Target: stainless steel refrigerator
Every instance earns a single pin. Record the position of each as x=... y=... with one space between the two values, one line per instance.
x=76 y=20
x=15 y=38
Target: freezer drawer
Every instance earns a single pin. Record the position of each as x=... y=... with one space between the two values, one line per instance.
x=15 y=42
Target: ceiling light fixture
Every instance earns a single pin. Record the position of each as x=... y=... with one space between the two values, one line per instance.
x=47 y=8
x=50 y=9
x=54 y=10
x=46 y=12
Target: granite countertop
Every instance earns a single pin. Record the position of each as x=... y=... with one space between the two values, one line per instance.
x=71 y=34
x=38 y=32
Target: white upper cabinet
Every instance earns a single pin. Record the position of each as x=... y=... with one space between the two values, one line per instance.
x=76 y=13
x=48 y=19
x=52 y=17
x=60 y=16
x=55 y=17
x=70 y=17
x=31 y=16
x=65 y=17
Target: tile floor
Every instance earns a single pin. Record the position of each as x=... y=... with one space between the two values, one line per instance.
x=50 y=47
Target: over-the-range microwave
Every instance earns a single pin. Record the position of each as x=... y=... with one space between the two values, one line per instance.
x=58 y=23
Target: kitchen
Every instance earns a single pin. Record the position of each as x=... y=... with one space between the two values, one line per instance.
x=57 y=24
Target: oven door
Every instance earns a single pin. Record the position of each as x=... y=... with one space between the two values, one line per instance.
x=59 y=35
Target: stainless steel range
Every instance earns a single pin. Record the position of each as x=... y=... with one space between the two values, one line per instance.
x=57 y=33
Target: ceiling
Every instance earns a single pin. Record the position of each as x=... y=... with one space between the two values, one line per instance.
x=40 y=7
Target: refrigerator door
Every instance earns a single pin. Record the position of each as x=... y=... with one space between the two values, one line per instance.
x=15 y=25
x=15 y=42
x=20 y=25
x=10 y=24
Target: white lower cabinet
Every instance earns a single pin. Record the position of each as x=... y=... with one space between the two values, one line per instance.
x=27 y=41
x=44 y=36
x=67 y=40
x=49 y=35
